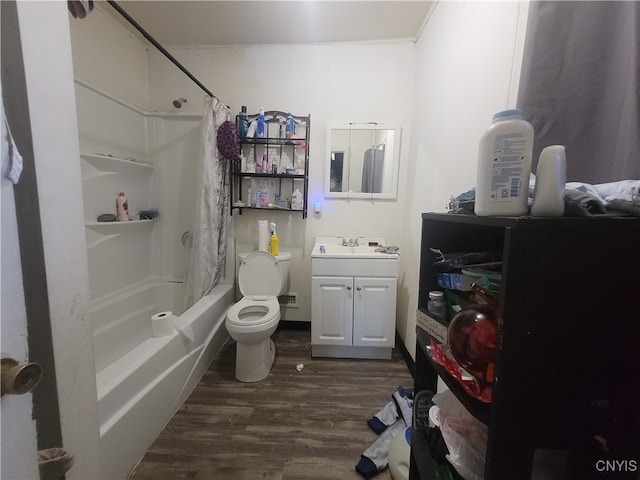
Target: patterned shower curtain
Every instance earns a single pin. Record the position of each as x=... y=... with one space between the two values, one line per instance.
x=209 y=244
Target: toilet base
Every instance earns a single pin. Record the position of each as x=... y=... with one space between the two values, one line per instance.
x=254 y=360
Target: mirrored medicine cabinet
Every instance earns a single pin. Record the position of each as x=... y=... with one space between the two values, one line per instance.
x=362 y=161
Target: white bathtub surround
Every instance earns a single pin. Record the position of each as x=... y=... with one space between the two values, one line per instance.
x=140 y=390
x=142 y=380
x=208 y=252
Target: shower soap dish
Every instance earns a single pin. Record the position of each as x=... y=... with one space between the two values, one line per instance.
x=107 y=217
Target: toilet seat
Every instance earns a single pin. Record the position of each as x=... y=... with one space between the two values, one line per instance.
x=252 y=313
x=259 y=279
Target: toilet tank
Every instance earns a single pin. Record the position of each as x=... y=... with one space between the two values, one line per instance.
x=284 y=259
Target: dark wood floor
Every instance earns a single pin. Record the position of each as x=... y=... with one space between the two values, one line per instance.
x=291 y=426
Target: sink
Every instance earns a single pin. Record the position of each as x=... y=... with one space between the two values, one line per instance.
x=333 y=248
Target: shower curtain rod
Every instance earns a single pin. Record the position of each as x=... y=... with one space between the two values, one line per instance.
x=163 y=50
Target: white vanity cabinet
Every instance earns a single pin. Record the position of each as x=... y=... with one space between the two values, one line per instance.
x=353 y=303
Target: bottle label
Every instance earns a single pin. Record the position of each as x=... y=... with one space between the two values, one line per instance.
x=507 y=166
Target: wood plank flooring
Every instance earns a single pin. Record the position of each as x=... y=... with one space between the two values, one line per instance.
x=308 y=425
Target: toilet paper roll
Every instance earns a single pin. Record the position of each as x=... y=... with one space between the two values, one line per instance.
x=263 y=235
x=162 y=324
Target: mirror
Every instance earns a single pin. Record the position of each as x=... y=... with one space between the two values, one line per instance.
x=362 y=161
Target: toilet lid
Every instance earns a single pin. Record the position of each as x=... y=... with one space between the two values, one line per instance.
x=259 y=275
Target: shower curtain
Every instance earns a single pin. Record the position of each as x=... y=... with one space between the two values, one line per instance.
x=580 y=86
x=372 y=169
x=209 y=244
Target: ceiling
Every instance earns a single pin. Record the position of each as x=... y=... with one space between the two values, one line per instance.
x=240 y=22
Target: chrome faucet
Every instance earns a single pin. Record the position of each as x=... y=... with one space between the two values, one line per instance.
x=353 y=242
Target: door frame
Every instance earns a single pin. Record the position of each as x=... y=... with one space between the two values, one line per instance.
x=49 y=193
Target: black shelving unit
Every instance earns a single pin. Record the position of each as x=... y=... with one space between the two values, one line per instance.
x=565 y=374
x=279 y=148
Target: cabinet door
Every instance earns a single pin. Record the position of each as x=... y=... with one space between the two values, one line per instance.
x=331 y=310
x=374 y=312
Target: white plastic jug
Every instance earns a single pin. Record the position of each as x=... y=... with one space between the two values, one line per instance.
x=504 y=166
x=399 y=455
x=551 y=176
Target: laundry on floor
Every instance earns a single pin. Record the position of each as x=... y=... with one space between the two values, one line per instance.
x=388 y=423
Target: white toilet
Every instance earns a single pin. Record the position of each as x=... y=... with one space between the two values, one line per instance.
x=251 y=321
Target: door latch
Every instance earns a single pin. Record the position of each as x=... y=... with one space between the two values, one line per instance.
x=19 y=378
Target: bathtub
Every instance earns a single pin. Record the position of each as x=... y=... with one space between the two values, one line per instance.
x=142 y=380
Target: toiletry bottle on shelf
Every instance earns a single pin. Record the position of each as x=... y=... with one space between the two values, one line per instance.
x=251 y=131
x=273 y=241
x=122 y=207
x=436 y=305
x=250 y=163
x=260 y=130
x=244 y=122
x=291 y=127
x=551 y=176
x=504 y=165
x=296 y=200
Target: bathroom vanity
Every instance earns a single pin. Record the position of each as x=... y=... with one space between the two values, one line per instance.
x=353 y=299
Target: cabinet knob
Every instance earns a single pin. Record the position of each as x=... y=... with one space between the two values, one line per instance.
x=348 y=288
x=358 y=288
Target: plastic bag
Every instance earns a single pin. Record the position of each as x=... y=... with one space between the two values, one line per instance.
x=466 y=437
x=442 y=356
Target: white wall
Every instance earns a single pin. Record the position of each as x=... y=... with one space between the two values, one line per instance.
x=110 y=57
x=468 y=59
x=333 y=83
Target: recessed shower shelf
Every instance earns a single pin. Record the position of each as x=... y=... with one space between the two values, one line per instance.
x=114 y=164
